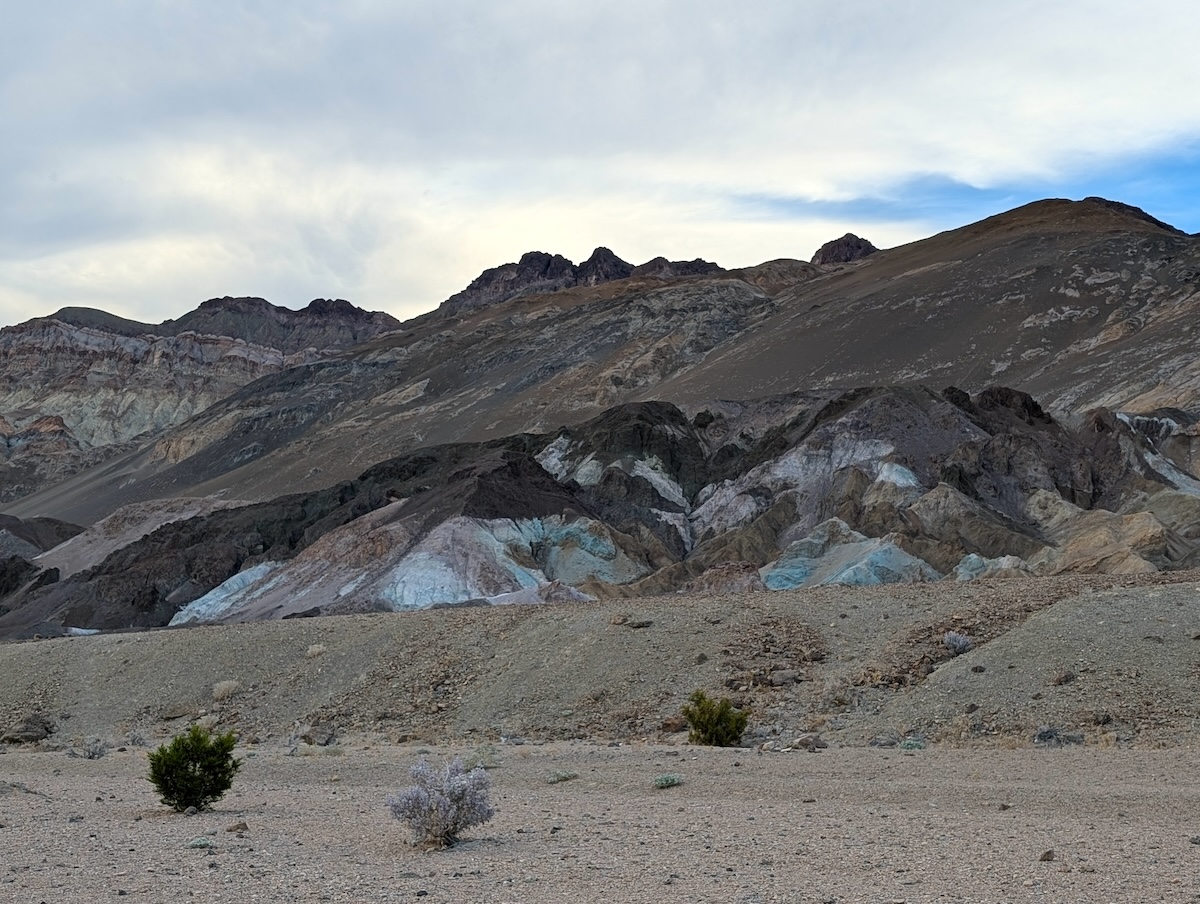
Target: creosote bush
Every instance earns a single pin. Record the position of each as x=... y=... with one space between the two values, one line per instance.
x=441 y=803
x=195 y=769
x=712 y=723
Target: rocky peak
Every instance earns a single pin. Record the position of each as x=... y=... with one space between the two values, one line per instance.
x=538 y=272
x=335 y=307
x=662 y=268
x=603 y=266
x=843 y=251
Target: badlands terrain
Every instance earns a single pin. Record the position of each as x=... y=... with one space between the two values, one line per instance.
x=930 y=514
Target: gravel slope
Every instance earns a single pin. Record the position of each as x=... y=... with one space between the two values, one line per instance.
x=1114 y=661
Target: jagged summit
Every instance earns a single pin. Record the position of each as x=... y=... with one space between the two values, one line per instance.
x=324 y=323
x=664 y=269
x=538 y=272
x=603 y=266
x=845 y=250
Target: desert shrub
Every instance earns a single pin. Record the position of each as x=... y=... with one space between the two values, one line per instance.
x=957 y=643
x=94 y=748
x=314 y=650
x=485 y=756
x=561 y=775
x=716 y=724
x=195 y=769
x=668 y=780
x=223 y=690
x=136 y=738
x=441 y=803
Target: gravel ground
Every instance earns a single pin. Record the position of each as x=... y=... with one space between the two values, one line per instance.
x=842 y=825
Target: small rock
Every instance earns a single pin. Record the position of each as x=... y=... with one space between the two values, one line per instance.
x=1195 y=839
x=1047 y=857
x=811 y=742
x=784 y=677
x=673 y=724
x=29 y=730
x=238 y=827
x=1063 y=678
x=190 y=811
x=320 y=734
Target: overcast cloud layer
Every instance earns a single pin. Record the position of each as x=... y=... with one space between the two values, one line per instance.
x=156 y=154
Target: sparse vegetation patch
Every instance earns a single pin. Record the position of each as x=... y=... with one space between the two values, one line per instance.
x=442 y=803
x=195 y=769
x=716 y=724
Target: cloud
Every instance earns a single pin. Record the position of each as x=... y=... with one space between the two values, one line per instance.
x=387 y=152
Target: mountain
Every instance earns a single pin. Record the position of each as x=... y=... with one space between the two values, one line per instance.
x=864 y=486
x=82 y=385
x=537 y=273
x=1080 y=304
x=1018 y=396
x=847 y=249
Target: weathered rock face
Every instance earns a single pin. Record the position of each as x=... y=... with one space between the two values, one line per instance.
x=661 y=268
x=1032 y=298
x=77 y=388
x=847 y=249
x=864 y=486
x=540 y=273
x=324 y=323
x=603 y=266
x=535 y=272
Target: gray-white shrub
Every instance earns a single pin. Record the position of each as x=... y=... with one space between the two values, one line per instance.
x=442 y=803
x=957 y=643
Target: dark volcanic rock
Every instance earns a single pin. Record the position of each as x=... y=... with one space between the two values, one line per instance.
x=662 y=268
x=535 y=272
x=843 y=251
x=30 y=730
x=603 y=266
x=643 y=498
x=324 y=323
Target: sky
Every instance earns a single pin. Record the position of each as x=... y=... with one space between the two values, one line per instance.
x=159 y=153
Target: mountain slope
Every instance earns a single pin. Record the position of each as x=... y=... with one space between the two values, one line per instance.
x=81 y=386
x=865 y=486
x=1079 y=303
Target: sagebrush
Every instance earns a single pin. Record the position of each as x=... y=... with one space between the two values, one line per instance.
x=442 y=803
x=714 y=723
x=957 y=643
x=195 y=769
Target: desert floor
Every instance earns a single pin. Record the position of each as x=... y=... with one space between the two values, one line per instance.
x=1080 y=823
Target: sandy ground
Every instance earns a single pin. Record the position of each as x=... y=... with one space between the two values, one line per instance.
x=842 y=825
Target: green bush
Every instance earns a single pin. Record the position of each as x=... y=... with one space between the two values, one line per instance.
x=712 y=723
x=195 y=769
